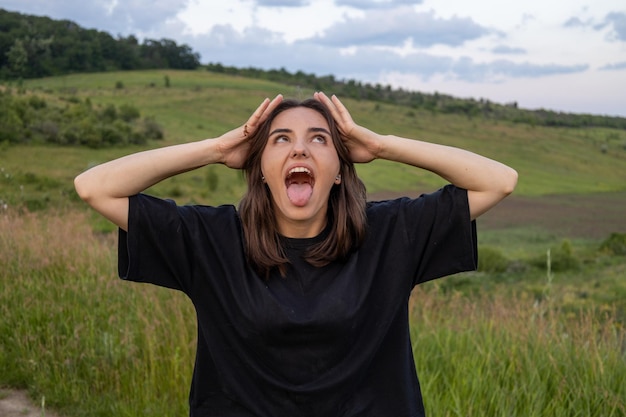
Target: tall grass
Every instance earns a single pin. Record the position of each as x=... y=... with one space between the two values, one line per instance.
x=96 y=346
x=69 y=330
x=497 y=356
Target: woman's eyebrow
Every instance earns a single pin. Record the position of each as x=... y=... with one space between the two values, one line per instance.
x=280 y=130
x=319 y=129
x=311 y=129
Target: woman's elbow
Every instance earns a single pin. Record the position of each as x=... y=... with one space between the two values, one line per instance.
x=509 y=181
x=83 y=187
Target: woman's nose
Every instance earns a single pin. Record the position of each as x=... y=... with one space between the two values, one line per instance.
x=299 y=149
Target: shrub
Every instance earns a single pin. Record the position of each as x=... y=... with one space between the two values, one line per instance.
x=37 y=103
x=562 y=258
x=128 y=113
x=109 y=113
x=76 y=122
x=69 y=136
x=491 y=260
x=11 y=128
x=151 y=129
x=137 y=138
x=33 y=204
x=72 y=99
x=110 y=135
x=615 y=244
x=48 y=129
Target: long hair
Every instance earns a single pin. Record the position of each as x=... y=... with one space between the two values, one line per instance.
x=346 y=204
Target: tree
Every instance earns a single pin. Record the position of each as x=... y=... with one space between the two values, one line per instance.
x=17 y=58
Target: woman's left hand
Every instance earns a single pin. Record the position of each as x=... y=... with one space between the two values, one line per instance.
x=234 y=145
x=363 y=144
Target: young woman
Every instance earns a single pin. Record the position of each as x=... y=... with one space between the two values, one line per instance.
x=302 y=293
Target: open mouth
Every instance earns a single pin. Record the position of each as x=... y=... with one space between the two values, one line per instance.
x=299 y=183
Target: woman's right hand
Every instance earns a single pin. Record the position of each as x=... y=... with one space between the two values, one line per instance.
x=363 y=144
x=234 y=145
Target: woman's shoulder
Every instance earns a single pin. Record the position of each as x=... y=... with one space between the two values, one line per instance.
x=145 y=204
x=148 y=199
x=382 y=204
x=446 y=196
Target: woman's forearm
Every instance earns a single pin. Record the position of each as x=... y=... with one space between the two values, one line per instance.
x=134 y=173
x=106 y=187
x=462 y=168
x=486 y=180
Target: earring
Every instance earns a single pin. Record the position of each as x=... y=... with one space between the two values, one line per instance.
x=263 y=178
x=338 y=179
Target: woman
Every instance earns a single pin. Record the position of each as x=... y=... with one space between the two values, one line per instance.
x=302 y=294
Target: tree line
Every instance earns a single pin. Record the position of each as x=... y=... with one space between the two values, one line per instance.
x=435 y=103
x=35 y=46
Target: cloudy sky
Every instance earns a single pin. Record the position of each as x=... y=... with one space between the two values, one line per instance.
x=564 y=55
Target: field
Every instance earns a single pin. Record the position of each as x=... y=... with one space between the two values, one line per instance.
x=537 y=331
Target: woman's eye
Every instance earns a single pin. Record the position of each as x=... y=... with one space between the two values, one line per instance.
x=319 y=139
x=281 y=139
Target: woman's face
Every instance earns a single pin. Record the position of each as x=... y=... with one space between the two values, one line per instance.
x=300 y=165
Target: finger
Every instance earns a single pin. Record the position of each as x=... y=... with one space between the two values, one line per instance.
x=323 y=98
x=339 y=112
x=259 y=111
x=343 y=111
x=264 y=110
x=270 y=107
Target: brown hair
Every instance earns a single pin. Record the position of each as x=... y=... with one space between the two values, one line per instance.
x=346 y=204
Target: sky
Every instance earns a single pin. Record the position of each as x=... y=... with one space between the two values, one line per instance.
x=561 y=55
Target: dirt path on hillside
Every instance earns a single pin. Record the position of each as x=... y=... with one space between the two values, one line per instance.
x=593 y=216
x=14 y=403
x=569 y=216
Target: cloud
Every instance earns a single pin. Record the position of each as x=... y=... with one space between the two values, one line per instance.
x=508 y=50
x=376 y=4
x=59 y=9
x=618 y=21
x=282 y=3
x=225 y=45
x=254 y=38
x=468 y=70
x=115 y=17
x=145 y=17
x=574 y=22
x=617 y=66
x=394 y=27
x=366 y=63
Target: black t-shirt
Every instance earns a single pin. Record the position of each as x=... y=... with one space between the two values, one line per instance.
x=331 y=341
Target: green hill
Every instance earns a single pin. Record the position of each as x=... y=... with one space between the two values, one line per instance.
x=191 y=105
x=91 y=345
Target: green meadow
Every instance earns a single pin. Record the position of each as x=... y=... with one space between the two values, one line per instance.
x=538 y=330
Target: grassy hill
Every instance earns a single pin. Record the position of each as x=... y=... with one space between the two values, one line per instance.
x=200 y=104
x=537 y=331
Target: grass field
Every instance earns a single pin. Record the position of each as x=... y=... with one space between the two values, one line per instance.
x=94 y=345
x=524 y=336
x=201 y=104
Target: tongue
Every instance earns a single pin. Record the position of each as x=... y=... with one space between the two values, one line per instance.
x=299 y=194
